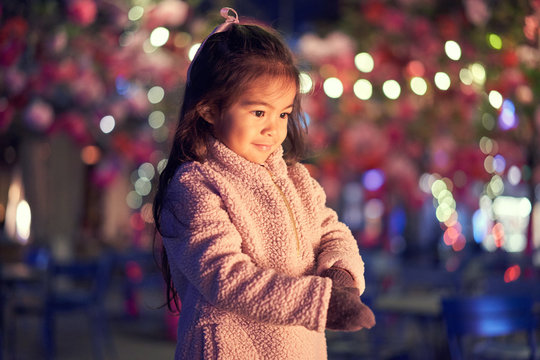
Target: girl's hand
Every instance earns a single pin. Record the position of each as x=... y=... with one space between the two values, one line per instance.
x=346 y=312
x=339 y=276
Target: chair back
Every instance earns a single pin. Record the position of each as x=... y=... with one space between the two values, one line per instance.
x=487 y=316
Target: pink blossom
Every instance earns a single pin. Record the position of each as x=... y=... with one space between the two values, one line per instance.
x=39 y=115
x=12 y=40
x=82 y=12
x=167 y=13
x=477 y=12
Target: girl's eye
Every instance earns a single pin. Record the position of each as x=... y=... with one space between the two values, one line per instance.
x=258 y=113
x=284 y=115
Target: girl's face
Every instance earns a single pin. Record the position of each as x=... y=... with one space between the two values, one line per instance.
x=255 y=125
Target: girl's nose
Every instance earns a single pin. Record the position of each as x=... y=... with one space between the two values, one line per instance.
x=271 y=125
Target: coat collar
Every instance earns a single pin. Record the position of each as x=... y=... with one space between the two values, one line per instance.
x=225 y=158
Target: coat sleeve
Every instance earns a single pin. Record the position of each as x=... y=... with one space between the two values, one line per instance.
x=338 y=246
x=204 y=246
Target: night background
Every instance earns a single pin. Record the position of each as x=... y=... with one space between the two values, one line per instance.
x=423 y=125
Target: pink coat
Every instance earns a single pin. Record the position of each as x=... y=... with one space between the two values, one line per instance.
x=245 y=242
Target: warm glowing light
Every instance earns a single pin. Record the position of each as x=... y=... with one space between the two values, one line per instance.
x=90 y=154
x=494 y=41
x=486 y=145
x=156 y=119
x=466 y=77
x=442 y=80
x=495 y=99
x=23 y=220
x=156 y=94
x=479 y=73
x=193 y=51
x=495 y=187
x=374 y=209
x=416 y=68
x=159 y=36
x=391 y=89
x=364 y=62
x=333 y=88
x=135 y=13
x=437 y=187
x=418 y=85
x=107 y=124
x=498 y=234
x=306 y=84
x=363 y=89
x=452 y=49
x=512 y=273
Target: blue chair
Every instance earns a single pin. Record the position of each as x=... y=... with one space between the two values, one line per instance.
x=72 y=287
x=90 y=281
x=485 y=317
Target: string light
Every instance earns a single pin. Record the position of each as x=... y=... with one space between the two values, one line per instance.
x=391 y=89
x=363 y=89
x=333 y=87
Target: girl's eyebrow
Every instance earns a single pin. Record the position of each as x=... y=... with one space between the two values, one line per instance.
x=262 y=103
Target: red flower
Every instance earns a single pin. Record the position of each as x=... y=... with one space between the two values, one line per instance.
x=82 y=12
x=12 y=40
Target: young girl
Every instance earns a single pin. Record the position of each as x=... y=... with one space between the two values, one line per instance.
x=261 y=266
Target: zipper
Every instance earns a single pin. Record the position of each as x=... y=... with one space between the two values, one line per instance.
x=288 y=205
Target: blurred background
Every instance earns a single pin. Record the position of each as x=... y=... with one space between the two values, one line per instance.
x=423 y=120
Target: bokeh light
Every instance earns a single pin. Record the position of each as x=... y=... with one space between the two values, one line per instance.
x=442 y=80
x=494 y=41
x=135 y=13
x=507 y=117
x=479 y=73
x=159 y=36
x=495 y=99
x=364 y=62
x=391 y=89
x=466 y=77
x=156 y=119
x=373 y=179
x=156 y=94
x=418 y=85
x=452 y=50
x=107 y=124
x=306 y=84
x=193 y=51
x=90 y=154
x=363 y=89
x=333 y=88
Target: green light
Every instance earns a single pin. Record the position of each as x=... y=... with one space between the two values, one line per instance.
x=494 y=41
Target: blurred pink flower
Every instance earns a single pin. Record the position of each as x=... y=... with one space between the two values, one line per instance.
x=82 y=12
x=12 y=40
x=336 y=45
x=167 y=13
x=39 y=115
x=15 y=80
x=88 y=88
x=477 y=12
x=6 y=114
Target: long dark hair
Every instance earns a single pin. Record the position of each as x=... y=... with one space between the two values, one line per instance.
x=227 y=64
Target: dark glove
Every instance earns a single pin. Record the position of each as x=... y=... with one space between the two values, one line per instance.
x=340 y=277
x=346 y=311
